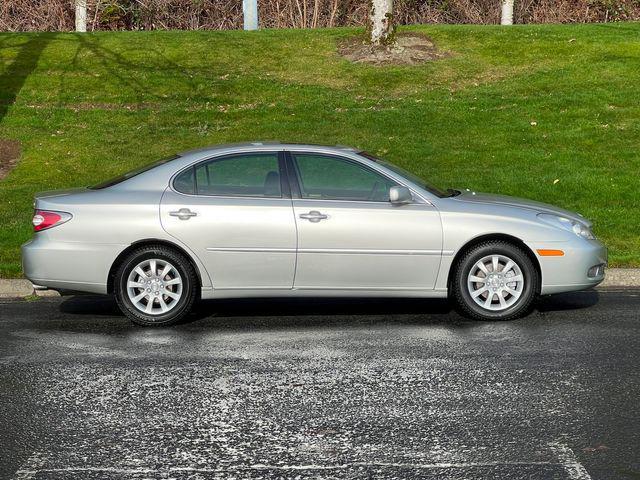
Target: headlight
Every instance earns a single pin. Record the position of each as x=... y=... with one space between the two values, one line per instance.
x=578 y=228
x=583 y=231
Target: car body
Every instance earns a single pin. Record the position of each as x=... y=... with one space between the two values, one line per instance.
x=308 y=230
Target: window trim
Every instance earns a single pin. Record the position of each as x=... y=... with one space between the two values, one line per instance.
x=296 y=192
x=285 y=189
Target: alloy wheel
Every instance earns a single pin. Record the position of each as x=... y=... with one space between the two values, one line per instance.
x=495 y=282
x=154 y=286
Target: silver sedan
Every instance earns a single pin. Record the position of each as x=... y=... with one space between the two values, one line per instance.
x=267 y=220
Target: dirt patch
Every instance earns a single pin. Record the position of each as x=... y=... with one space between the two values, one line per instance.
x=77 y=107
x=409 y=49
x=9 y=155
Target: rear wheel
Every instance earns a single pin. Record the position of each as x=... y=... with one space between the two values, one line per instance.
x=155 y=286
x=495 y=280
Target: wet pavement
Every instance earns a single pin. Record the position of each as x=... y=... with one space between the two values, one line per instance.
x=322 y=389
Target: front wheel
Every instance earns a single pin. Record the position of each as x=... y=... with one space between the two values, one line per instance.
x=495 y=280
x=155 y=286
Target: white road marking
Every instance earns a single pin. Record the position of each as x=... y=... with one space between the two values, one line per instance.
x=344 y=466
x=30 y=467
x=568 y=459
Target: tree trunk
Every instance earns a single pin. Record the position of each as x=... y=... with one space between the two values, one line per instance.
x=507 y=12
x=381 y=22
x=81 y=15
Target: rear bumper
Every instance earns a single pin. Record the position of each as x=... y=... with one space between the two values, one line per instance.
x=570 y=272
x=68 y=265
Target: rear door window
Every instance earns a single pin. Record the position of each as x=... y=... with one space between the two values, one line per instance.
x=246 y=175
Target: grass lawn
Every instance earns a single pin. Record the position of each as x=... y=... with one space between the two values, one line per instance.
x=550 y=113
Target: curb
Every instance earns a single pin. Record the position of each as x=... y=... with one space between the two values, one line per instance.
x=19 y=287
x=621 y=277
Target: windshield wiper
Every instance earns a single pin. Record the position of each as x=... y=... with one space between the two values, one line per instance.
x=453 y=193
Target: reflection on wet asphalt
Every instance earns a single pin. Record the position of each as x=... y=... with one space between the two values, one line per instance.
x=321 y=389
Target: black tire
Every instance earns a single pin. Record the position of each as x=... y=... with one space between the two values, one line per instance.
x=187 y=274
x=459 y=290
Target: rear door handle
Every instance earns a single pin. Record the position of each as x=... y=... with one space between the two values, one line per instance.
x=183 y=214
x=314 y=216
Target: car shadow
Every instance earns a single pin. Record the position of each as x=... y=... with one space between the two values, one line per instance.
x=319 y=312
x=284 y=313
x=567 y=301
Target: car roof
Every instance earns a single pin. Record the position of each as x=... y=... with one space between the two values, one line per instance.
x=260 y=145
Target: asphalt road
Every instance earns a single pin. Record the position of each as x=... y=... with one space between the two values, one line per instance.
x=322 y=389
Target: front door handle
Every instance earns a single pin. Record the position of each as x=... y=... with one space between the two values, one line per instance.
x=314 y=216
x=183 y=214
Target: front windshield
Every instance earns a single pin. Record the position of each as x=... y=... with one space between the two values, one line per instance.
x=132 y=173
x=408 y=175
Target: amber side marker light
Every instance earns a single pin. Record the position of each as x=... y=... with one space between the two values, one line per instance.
x=550 y=253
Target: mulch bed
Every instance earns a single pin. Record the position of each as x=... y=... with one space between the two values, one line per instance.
x=409 y=49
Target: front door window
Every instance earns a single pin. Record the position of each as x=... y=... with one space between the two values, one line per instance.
x=324 y=177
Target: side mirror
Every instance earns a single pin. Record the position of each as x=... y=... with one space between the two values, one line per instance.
x=400 y=195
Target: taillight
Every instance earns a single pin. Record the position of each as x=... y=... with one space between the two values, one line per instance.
x=43 y=219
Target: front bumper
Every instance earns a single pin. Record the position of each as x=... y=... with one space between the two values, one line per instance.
x=570 y=272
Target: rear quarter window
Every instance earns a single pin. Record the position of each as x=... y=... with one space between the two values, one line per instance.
x=186 y=182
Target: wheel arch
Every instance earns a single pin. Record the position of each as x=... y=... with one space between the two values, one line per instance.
x=488 y=237
x=148 y=242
